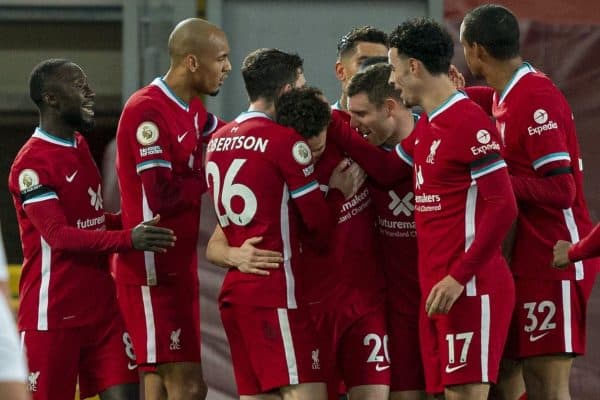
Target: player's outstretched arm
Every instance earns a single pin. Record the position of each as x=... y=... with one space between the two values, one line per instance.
x=566 y=253
x=386 y=168
x=247 y=258
x=50 y=220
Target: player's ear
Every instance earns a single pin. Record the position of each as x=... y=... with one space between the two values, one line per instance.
x=389 y=105
x=191 y=62
x=49 y=99
x=340 y=71
x=414 y=65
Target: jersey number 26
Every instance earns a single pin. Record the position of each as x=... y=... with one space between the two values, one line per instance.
x=224 y=196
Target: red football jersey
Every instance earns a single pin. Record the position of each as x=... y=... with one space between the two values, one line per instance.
x=452 y=148
x=59 y=288
x=538 y=131
x=159 y=130
x=397 y=241
x=262 y=181
x=349 y=271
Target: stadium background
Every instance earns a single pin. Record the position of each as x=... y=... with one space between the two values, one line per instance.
x=122 y=45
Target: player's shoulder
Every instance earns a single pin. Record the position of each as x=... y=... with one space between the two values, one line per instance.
x=31 y=160
x=148 y=98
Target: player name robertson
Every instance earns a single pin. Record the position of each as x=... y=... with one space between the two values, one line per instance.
x=238 y=142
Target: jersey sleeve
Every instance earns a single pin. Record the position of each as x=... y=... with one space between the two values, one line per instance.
x=31 y=181
x=385 y=167
x=542 y=125
x=587 y=247
x=318 y=215
x=478 y=148
x=482 y=95
x=147 y=137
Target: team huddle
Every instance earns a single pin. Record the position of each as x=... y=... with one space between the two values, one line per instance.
x=397 y=244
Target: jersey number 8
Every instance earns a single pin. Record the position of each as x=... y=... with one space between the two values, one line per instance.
x=228 y=192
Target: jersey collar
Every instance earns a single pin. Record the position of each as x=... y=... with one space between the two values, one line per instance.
x=449 y=102
x=336 y=106
x=523 y=70
x=47 y=137
x=162 y=85
x=246 y=115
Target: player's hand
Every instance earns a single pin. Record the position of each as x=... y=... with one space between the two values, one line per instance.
x=561 y=254
x=251 y=260
x=348 y=177
x=456 y=77
x=443 y=296
x=149 y=237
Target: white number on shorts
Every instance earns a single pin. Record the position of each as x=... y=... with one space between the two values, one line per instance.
x=374 y=356
x=231 y=190
x=128 y=346
x=451 y=338
x=547 y=323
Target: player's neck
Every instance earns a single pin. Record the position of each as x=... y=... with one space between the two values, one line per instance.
x=405 y=124
x=263 y=106
x=343 y=101
x=56 y=127
x=436 y=91
x=179 y=85
x=500 y=73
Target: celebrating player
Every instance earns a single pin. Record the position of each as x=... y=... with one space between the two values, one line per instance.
x=352 y=49
x=541 y=150
x=377 y=111
x=68 y=314
x=277 y=350
x=460 y=180
x=159 y=166
x=344 y=288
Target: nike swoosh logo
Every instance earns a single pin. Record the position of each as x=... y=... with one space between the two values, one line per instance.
x=533 y=338
x=131 y=366
x=70 y=178
x=182 y=136
x=450 y=369
x=380 y=368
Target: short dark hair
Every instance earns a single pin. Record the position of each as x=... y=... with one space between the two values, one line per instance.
x=374 y=81
x=495 y=28
x=305 y=110
x=367 y=62
x=427 y=41
x=42 y=76
x=267 y=71
x=347 y=43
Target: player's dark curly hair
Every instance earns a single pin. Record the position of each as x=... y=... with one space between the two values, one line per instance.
x=374 y=81
x=367 y=62
x=347 y=43
x=427 y=41
x=303 y=109
x=495 y=28
x=42 y=76
x=267 y=71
